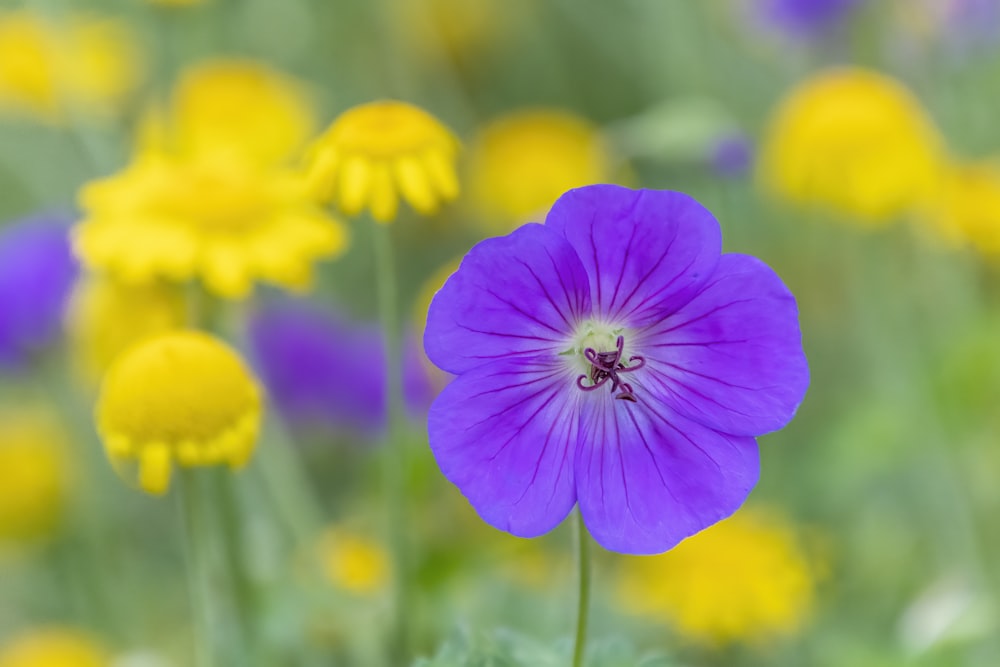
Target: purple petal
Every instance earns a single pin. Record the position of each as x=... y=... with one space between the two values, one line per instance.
x=505 y=434
x=647 y=477
x=806 y=18
x=37 y=270
x=520 y=294
x=645 y=251
x=732 y=358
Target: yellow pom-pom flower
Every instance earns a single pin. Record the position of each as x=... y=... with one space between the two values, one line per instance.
x=180 y=398
x=106 y=317
x=85 y=64
x=966 y=205
x=374 y=153
x=242 y=106
x=744 y=579
x=54 y=647
x=213 y=216
x=34 y=474
x=354 y=563
x=522 y=162
x=855 y=141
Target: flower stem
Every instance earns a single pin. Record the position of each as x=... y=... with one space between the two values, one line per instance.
x=233 y=546
x=198 y=567
x=394 y=451
x=583 y=599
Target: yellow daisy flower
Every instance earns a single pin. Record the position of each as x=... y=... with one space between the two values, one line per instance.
x=354 y=563
x=36 y=474
x=182 y=397
x=965 y=207
x=105 y=317
x=213 y=216
x=522 y=162
x=374 y=153
x=85 y=63
x=240 y=105
x=855 y=141
x=744 y=579
x=54 y=647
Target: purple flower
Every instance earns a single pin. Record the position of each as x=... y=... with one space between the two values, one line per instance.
x=322 y=370
x=731 y=155
x=37 y=270
x=611 y=357
x=974 y=22
x=805 y=18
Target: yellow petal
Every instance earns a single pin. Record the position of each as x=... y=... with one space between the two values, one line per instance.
x=385 y=203
x=322 y=176
x=355 y=185
x=155 y=469
x=415 y=185
x=441 y=171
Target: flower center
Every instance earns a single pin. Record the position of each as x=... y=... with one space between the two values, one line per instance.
x=607 y=366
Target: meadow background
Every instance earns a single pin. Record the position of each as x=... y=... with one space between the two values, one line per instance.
x=871 y=540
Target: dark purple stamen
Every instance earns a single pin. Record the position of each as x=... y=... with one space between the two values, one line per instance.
x=606 y=366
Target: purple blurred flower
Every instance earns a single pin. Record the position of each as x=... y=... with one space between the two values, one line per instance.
x=611 y=357
x=805 y=18
x=322 y=370
x=37 y=270
x=974 y=22
x=732 y=155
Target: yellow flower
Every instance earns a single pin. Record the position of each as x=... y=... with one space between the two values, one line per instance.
x=54 y=647
x=241 y=106
x=35 y=474
x=354 y=563
x=375 y=152
x=181 y=397
x=855 y=141
x=455 y=29
x=87 y=64
x=520 y=164
x=744 y=579
x=966 y=205
x=106 y=317
x=213 y=216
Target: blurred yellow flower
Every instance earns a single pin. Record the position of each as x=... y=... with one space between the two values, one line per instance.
x=83 y=63
x=455 y=29
x=375 y=152
x=966 y=205
x=106 y=316
x=743 y=579
x=521 y=162
x=34 y=474
x=182 y=397
x=241 y=106
x=54 y=647
x=855 y=141
x=354 y=563
x=212 y=216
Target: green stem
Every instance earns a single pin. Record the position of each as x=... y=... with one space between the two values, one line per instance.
x=583 y=600
x=233 y=546
x=198 y=567
x=394 y=451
